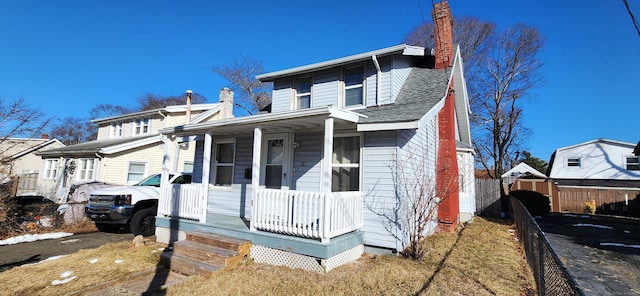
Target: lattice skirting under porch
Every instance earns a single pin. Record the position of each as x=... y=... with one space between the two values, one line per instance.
x=271 y=256
x=166 y=235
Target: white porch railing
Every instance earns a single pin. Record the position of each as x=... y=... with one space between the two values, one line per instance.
x=184 y=201
x=307 y=214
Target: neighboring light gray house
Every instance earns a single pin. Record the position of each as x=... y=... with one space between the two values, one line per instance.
x=18 y=158
x=312 y=183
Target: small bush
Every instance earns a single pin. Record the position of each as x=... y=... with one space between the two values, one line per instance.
x=536 y=203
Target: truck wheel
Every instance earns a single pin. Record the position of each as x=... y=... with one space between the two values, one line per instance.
x=144 y=222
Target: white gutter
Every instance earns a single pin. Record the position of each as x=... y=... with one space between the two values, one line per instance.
x=164 y=119
x=378 y=79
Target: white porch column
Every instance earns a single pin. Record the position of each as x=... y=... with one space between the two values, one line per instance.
x=325 y=187
x=206 y=168
x=255 y=173
x=166 y=158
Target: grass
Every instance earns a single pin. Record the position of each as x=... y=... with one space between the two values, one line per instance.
x=482 y=259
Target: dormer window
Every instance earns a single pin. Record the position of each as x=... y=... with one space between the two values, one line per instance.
x=303 y=92
x=573 y=162
x=116 y=130
x=141 y=126
x=353 y=78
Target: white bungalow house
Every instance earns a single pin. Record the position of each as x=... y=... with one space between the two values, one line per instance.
x=314 y=181
x=603 y=171
x=128 y=147
x=18 y=158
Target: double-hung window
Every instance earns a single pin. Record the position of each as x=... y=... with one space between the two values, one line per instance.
x=345 y=164
x=86 y=169
x=116 y=130
x=632 y=163
x=303 y=92
x=141 y=126
x=136 y=171
x=50 y=168
x=224 y=162
x=353 y=90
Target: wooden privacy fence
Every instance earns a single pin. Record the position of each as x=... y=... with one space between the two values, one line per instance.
x=612 y=201
x=488 y=198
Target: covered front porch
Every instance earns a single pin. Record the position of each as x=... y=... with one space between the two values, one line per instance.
x=274 y=203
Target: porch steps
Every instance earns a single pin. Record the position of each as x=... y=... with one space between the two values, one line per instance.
x=203 y=253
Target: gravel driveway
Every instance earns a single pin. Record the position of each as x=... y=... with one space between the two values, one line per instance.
x=602 y=253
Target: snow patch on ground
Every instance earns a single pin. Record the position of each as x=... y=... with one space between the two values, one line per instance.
x=65 y=278
x=33 y=237
x=620 y=245
x=593 y=225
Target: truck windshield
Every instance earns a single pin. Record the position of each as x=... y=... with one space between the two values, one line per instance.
x=153 y=180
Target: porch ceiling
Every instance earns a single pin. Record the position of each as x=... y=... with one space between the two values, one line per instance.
x=299 y=120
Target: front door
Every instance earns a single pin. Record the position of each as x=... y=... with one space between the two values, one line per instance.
x=275 y=161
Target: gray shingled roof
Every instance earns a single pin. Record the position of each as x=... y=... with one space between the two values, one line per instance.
x=423 y=89
x=90 y=147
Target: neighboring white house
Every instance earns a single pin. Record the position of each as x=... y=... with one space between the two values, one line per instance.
x=315 y=181
x=128 y=147
x=594 y=162
x=19 y=159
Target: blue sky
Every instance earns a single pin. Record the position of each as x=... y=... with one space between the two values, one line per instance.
x=65 y=57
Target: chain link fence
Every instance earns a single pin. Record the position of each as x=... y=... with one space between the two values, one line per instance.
x=552 y=278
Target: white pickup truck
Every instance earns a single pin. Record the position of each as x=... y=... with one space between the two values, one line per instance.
x=136 y=205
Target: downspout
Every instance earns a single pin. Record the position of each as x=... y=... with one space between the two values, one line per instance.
x=164 y=119
x=102 y=165
x=378 y=79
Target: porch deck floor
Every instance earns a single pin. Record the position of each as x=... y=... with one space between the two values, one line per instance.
x=238 y=227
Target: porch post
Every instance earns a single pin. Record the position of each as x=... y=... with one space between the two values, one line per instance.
x=325 y=188
x=165 y=160
x=255 y=174
x=206 y=167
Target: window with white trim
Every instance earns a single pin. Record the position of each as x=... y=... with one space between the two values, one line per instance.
x=116 y=130
x=50 y=168
x=141 y=126
x=136 y=172
x=573 y=162
x=303 y=92
x=86 y=169
x=353 y=90
x=345 y=164
x=632 y=164
x=224 y=152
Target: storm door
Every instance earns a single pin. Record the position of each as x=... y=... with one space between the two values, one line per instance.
x=275 y=161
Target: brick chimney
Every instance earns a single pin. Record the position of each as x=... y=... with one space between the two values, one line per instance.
x=226 y=99
x=443 y=34
x=45 y=136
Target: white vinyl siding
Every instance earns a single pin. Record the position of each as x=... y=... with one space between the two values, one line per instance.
x=282 y=99
x=378 y=187
x=398 y=76
x=325 y=88
x=307 y=162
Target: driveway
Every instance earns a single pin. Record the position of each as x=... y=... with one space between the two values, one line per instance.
x=602 y=253
x=31 y=252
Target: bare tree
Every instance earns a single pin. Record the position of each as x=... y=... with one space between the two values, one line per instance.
x=251 y=95
x=17 y=120
x=151 y=101
x=108 y=110
x=500 y=71
x=72 y=130
x=505 y=82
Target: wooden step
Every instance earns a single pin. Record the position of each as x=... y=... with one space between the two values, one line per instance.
x=220 y=241
x=204 y=252
x=187 y=265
